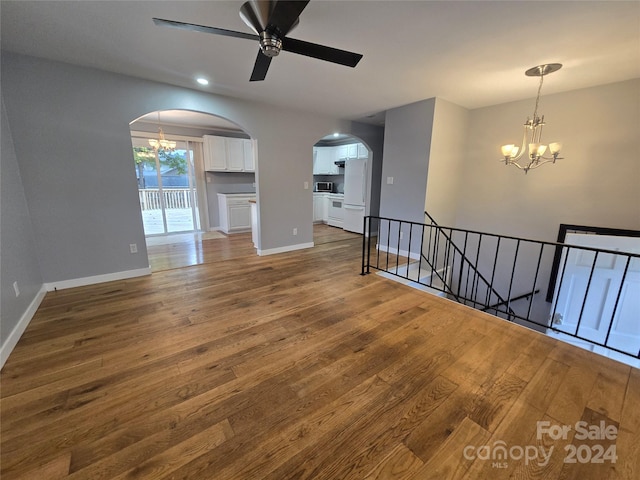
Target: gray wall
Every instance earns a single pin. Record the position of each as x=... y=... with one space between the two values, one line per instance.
x=597 y=183
x=18 y=260
x=407 y=142
x=446 y=161
x=71 y=134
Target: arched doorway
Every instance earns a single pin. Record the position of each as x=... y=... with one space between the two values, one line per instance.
x=177 y=184
x=341 y=181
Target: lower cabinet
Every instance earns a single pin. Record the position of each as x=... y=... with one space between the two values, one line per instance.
x=235 y=212
x=320 y=207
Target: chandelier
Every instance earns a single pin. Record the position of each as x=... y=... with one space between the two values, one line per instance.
x=533 y=132
x=161 y=143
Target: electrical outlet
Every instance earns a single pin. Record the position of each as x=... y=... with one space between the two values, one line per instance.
x=16 y=289
x=295 y=231
x=133 y=247
x=401 y=235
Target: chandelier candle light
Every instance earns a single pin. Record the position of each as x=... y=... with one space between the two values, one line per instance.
x=533 y=132
x=162 y=143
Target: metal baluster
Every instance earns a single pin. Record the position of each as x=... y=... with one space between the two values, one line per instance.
x=586 y=293
x=615 y=306
x=513 y=272
x=535 y=280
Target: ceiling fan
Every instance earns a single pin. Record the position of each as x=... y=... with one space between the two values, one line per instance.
x=272 y=20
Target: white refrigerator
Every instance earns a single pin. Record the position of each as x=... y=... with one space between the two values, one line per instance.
x=355 y=194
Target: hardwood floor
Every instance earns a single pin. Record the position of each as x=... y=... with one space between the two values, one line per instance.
x=294 y=366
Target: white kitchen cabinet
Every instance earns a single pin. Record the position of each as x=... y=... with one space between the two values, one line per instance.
x=235 y=212
x=324 y=161
x=320 y=207
x=215 y=153
x=226 y=154
x=235 y=154
x=343 y=152
x=249 y=155
x=363 y=151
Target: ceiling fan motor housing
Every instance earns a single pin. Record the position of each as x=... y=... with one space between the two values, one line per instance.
x=270 y=44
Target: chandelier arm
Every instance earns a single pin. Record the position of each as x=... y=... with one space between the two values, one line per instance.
x=551 y=159
x=522 y=147
x=539 y=164
x=517 y=165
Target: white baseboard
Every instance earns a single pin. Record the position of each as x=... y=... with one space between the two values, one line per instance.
x=288 y=248
x=12 y=340
x=109 y=277
x=395 y=251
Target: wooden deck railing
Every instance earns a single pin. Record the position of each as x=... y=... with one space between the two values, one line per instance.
x=173 y=198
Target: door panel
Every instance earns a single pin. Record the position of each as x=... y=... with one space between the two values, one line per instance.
x=605 y=286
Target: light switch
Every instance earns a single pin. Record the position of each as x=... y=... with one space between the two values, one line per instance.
x=306 y=185
x=389 y=180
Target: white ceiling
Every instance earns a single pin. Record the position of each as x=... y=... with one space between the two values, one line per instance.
x=471 y=53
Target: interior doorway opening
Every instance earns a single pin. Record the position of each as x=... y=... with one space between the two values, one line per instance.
x=179 y=183
x=341 y=182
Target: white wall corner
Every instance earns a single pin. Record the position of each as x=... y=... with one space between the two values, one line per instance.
x=12 y=340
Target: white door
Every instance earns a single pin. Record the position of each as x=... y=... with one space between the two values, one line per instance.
x=606 y=283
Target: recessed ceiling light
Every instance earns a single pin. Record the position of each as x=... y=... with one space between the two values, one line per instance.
x=336 y=134
x=202 y=81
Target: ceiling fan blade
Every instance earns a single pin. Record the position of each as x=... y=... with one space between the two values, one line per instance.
x=321 y=52
x=203 y=28
x=285 y=14
x=260 y=68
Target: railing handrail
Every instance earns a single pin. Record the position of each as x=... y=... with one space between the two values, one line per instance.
x=543 y=242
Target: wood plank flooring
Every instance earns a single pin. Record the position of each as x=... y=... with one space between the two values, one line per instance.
x=294 y=366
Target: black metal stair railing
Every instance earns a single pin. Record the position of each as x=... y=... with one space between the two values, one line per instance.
x=502 y=275
x=477 y=275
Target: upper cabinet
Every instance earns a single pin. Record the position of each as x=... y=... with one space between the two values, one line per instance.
x=324 y=161
x=226 y=154
x=363 y=152
x=325 y=158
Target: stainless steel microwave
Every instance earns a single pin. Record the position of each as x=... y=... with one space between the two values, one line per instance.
x=324 y=187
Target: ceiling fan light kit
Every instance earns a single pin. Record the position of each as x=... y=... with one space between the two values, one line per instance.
x=272 y=20
x=533 y=132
